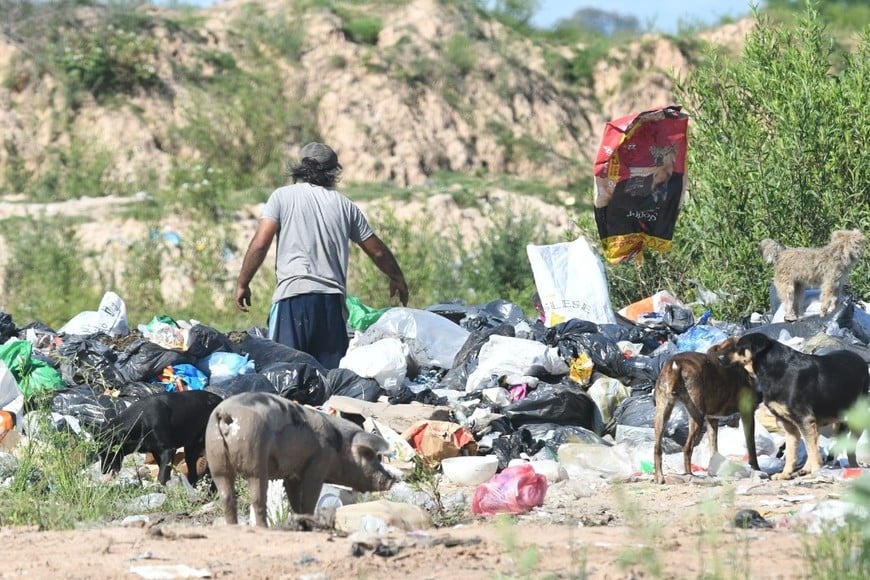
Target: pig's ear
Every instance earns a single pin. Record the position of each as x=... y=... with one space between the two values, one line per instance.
x=368 y=446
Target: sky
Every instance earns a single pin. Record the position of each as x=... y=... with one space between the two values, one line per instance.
x=660 y=15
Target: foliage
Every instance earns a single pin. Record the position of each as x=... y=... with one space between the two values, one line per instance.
x=429 y=261
x=460 y=53
x=70 y=169
x=361 y=28
x=54 y=484
x=105 y=60
x=779 y=149
x=281 y=33
x=44 y=278
x=442 y=267
x=240 y=122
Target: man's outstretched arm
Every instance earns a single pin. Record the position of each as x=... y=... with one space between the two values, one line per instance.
x=257 y=250
x=386 y=262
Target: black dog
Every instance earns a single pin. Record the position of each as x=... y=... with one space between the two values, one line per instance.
x=159 y=424
x=803 y=391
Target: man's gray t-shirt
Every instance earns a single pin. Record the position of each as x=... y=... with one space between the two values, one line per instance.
x=315 y=228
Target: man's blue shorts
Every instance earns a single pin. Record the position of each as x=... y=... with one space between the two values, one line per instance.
x=312 y=323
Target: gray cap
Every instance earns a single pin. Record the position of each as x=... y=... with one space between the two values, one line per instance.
x=321 y=153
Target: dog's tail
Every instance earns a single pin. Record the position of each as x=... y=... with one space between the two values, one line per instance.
x=770 y=250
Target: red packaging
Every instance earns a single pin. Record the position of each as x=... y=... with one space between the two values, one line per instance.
x=640 y=181
x=515 y=490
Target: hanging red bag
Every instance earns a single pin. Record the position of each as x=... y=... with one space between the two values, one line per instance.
x=515 y=490
x=640 y=180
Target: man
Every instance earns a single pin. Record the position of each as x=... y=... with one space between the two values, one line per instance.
x=315 y=225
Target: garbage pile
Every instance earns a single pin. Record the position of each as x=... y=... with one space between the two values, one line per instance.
x=571 y=400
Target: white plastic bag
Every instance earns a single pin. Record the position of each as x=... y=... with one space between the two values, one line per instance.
x=385 y=361
x=110 y=317
x=11 y=398
x=432 y=340
x=571 y=282
x=507 y=355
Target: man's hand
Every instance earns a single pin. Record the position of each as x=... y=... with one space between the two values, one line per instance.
x=400 y=289
x=243 y=297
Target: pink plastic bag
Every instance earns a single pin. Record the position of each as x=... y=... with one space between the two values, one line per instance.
x=515 y=490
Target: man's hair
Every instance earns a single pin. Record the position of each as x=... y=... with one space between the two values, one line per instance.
x=310 y=171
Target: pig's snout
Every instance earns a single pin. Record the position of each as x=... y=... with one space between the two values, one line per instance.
x=384 y=480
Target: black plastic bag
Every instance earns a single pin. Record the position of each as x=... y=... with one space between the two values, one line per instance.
x=7 y=327
x=84 y=360
x=346 y=383
x=264 y=352
x=562 y=404
x=677 y=318
x=640 y=411
x=468 y=354
x=514 y=446
x=492 y=314
x=203 y=340
x=143 y=360
x=812 y=325
x=466 y=359
x=575 y=336
x=555 y=435
x=405 y=395
x=297 y=381
x=247 y=383
x=90 y=408
x=140 y=389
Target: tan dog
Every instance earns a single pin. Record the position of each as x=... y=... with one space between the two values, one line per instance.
x=828 y=267
x=709 y=390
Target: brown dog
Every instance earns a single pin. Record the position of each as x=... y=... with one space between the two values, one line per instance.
x=828 y=267
x=709 y=390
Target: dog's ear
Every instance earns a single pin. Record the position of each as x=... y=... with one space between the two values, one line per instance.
x=755 y=343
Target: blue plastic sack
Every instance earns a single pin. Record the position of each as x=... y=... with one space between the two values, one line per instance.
x=220 y=366
x=700 y=338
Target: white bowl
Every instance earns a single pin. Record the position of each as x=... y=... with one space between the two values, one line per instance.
x=469 y=470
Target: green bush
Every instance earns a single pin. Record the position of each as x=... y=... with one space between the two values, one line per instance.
x=779 y=148
x=460 y=53
x=106 y=60
x=441 y=267
x=363 y=29
x=44 y=278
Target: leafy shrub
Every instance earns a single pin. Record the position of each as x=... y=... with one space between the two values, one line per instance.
x=106 y=60
x=778 y=149
x=363 y=29
x=460 y=53
x=44 y=277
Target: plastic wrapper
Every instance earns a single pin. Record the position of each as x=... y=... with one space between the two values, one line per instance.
x=432 y=340
x=640 y=180
x=516 y=490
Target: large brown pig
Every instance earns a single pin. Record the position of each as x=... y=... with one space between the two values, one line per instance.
x=262 y=436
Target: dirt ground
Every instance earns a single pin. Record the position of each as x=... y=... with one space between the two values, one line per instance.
x=633 y=529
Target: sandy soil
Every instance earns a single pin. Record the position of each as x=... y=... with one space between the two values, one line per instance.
x=632 y=529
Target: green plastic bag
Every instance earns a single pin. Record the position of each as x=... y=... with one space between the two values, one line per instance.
x=360 y=316
x=32 y=374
